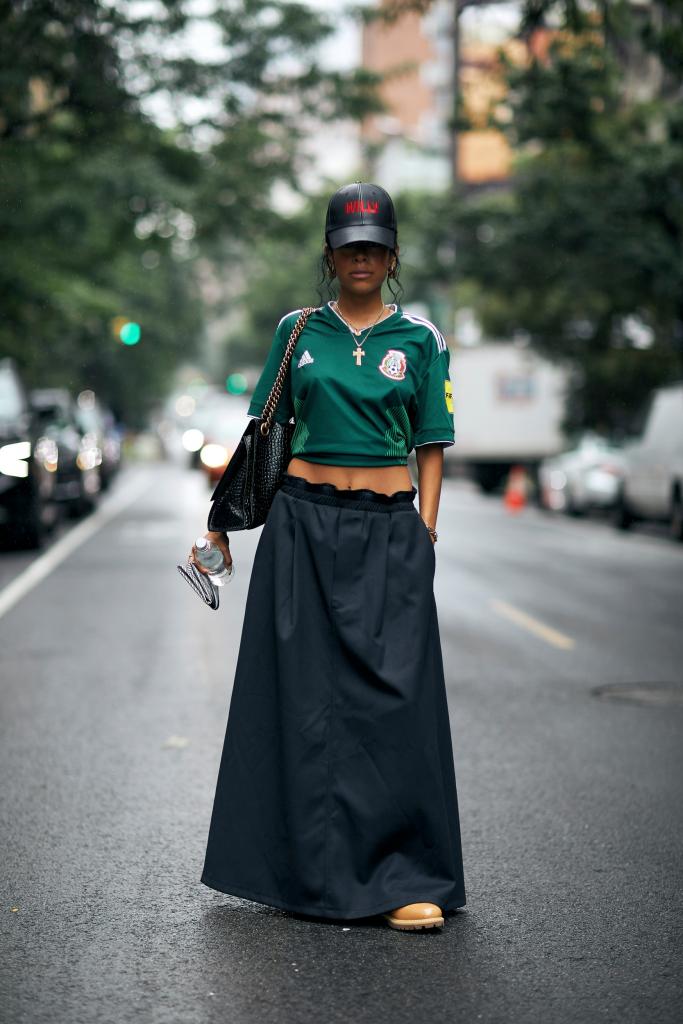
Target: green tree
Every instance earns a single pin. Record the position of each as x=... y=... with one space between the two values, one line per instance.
x=124 y=159
x=582 y=251
x=585 y=251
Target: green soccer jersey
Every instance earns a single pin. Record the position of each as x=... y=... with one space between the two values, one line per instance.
x=369 y=409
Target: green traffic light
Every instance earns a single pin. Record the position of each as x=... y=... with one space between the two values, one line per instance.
x=130 y=333
x=236 y=384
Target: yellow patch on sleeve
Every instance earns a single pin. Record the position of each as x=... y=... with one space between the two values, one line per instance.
x=449 y=395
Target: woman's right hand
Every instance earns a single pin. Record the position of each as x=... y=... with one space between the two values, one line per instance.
x=221 y=541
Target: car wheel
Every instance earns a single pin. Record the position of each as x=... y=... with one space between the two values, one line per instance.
x=84 y=506
x=85 y=503
x=676 y=522
x=28 y=530
x=622 y=516
x=572 y=508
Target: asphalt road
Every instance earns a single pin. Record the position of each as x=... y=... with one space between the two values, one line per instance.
x=115 y=689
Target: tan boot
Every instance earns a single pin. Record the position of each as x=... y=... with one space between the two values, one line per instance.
x=415 y=916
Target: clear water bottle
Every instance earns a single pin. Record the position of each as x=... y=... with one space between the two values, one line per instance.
x=211 y=557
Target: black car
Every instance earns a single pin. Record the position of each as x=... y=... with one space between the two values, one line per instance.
x=28 y=462
x=79 y=459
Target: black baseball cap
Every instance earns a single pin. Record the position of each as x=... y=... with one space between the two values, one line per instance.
x=360 y=213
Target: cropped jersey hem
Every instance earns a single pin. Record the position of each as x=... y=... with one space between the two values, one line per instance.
x=347 y=459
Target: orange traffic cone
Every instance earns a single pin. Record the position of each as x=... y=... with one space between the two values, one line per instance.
x=516 y=489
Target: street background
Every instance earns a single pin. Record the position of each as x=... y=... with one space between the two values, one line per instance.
x=165 y=171
x=114 y=709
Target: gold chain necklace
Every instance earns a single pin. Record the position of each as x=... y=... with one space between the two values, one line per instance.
x=359 y=352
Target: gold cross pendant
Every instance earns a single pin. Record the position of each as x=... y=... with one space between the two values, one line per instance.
x=358 y=352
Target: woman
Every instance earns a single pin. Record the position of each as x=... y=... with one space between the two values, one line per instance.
x=336 y=794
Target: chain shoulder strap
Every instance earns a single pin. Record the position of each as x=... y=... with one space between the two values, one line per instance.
x=276 y=390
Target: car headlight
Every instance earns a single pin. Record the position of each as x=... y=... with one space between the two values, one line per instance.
x=13 y=458
x=214 y=455
x=192 y=439
x=47 y=453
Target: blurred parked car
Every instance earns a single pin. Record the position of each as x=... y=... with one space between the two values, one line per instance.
x=78 y=455
x=28 y=461
x=584 y=478
x=98 y=424
x=652 y=487
x=215 y=433
x=183 y=411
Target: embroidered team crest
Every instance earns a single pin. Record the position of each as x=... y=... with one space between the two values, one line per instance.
x=393 y=364
x=305 y=359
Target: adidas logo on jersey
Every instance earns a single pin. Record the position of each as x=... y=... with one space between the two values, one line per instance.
x=306 y=358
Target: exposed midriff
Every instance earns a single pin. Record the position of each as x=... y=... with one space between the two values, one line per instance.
x=384 y=479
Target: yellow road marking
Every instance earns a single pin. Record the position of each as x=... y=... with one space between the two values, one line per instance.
x=535 y=626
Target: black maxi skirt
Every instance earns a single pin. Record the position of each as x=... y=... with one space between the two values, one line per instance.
x=336 y=793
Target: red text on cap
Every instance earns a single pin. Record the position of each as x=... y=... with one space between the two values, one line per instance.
x=360 y=206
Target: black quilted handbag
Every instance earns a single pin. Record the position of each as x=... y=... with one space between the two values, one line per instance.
x=244 y=493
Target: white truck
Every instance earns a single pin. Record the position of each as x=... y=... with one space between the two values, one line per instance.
x=508 y=405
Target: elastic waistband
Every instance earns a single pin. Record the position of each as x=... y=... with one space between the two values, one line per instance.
x=360 y=498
